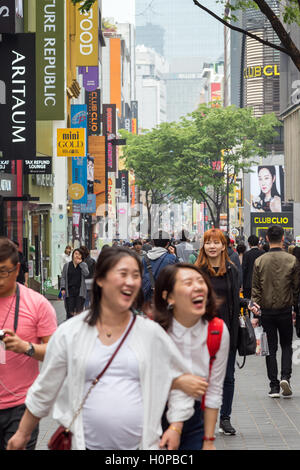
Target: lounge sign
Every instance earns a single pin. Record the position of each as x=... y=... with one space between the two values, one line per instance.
x=38 y=166
x=50 y=59
x=17 y=96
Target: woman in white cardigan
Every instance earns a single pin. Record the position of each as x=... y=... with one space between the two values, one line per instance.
x=124 y=409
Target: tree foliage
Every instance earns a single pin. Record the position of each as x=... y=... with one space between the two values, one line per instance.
x=181 y=160
x=290 y=12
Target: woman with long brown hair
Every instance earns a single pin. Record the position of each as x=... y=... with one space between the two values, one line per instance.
x=213 y=259
x=185 y=305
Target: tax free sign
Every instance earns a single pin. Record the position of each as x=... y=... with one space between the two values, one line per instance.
x=50 y=59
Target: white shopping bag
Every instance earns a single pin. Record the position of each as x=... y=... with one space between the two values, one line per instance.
x=262 y=347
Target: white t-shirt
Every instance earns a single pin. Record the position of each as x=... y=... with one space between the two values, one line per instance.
x=113 y=412
x=192 y=342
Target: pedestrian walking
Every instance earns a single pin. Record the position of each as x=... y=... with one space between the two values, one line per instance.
x=184 y=249
x=234 y=257
x=27 y=320
x=213 y=259
x=153 y=262
x=185 y=305
x=123 y=411
x=248 y=262
x=137 y=246
x=72 y=284
x=275 y=287
x=86 y=257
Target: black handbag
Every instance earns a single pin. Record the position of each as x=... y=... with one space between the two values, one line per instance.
x=246 y=338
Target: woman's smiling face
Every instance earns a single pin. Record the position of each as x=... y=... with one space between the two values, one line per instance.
x=121 y=284
x=189 y=296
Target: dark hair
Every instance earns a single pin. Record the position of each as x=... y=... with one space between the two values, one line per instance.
x=253 y=240
x=8 y=250
x=166 y=282
x=272 y=170
x=107 y=259
x=275 y=234
x=296 y=252
x=137 y=242
x=161 y=239
x=241 y=248
x=266 y=247
x=84 y=251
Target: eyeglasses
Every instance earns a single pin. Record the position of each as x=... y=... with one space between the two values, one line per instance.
x=4 y=274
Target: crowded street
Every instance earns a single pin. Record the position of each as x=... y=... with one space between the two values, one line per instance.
x=149 y=228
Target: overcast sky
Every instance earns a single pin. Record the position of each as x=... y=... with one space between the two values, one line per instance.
x=121 y=10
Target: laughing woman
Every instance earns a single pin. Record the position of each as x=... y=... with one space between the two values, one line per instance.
x=123 y=410
x=185 y=305
x=215 y=262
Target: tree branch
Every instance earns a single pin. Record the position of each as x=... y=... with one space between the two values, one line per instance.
x=240 y=30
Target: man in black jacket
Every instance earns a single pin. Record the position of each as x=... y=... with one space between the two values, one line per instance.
x=248 y=262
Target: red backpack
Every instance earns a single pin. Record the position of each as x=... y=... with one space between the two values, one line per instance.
x=214 y=337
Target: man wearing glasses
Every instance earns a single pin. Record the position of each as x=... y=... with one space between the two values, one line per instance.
x=27 y=321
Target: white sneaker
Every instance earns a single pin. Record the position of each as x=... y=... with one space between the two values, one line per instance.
x=286 y=390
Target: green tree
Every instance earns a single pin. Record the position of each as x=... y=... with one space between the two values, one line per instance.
x=290 y=15
x=150 y=155
x=228 y=135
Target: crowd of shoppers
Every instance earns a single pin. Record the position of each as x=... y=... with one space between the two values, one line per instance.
x=165 y=389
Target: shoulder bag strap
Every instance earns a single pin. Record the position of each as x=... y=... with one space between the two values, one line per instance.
x=96 y=380
x=152 y=280
x=17 y=308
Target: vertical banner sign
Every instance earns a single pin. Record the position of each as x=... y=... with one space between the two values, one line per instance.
x=109 y=131
x=79 y=164
x=92 y=99
x=7 y=16
x=17 y=93
x=134 y=117
x=97 y=149
x=87 y=36
x=50 y=60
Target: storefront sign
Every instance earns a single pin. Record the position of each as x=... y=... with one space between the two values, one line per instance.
x=87 y=36
x=17 y=92
x=109 y=131
x=8 y=10
x=90 y=77
x=122 y=185
x=50 y=59
x=71 y=142
x=38 y=166
x=92 y=99
x=261 y=222
x=79 y=165
x=260 y=71
x=5 y=166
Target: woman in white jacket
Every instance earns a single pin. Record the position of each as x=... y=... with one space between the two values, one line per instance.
x=124 y=409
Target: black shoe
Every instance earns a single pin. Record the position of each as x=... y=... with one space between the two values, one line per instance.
x=226 y=428
x=274 y=392
x=286 y=388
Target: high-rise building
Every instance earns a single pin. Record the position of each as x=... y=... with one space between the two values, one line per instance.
x=187 y=37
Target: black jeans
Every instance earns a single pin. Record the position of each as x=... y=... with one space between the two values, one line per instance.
x=74 y=305
x=228 y=386
x=282 y=324
x=9 y=423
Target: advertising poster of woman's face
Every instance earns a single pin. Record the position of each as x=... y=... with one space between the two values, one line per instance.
x=267 y=188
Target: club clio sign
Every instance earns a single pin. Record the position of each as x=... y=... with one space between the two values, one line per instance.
x=50 y=59
x=261 y=71
x=17 y=96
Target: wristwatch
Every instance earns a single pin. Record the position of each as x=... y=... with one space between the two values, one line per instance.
x=30 y=351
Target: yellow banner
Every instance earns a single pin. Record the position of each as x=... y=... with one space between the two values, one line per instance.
x=87 y=36
x=71 y=142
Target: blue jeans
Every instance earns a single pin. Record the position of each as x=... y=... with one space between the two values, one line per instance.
x=192 y=431
x=228 y=387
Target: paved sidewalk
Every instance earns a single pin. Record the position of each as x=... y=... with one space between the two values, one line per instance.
x=262 y=423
